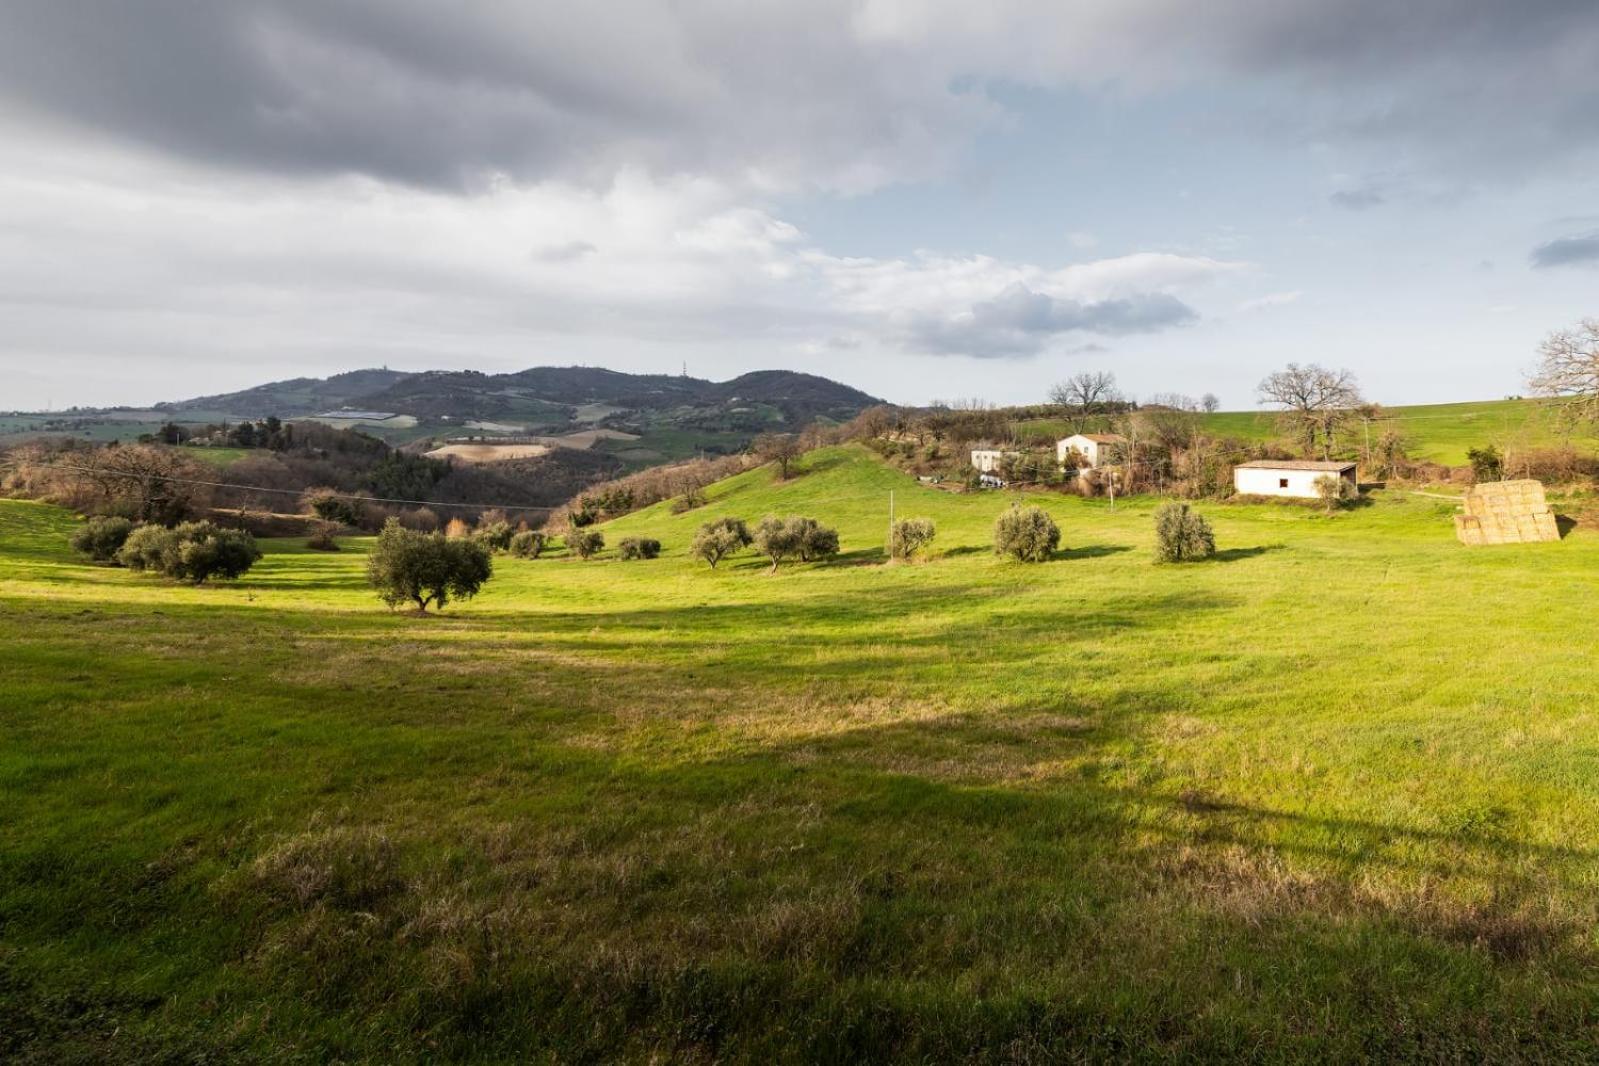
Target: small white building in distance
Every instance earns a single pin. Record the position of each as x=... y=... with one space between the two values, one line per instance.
x=987 y=460
x=1286 y=477
x=1091 y=446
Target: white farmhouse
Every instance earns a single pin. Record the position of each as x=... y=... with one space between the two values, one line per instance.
x=987 y=460
x=1092 y=448
x=1286 y=477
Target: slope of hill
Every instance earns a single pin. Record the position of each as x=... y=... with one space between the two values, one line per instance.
x=1439 y=433
x=1286 y=805
x=296 y=396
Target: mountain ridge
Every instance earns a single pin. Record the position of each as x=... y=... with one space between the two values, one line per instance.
x=536 y=391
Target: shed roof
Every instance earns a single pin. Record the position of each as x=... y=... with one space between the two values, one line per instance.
x=1295 y=464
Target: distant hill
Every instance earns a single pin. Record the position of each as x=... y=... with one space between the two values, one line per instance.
x=540 y=394
x=652 y=417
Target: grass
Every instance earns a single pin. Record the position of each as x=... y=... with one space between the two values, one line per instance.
x=1439 y=433
x=1331 y=795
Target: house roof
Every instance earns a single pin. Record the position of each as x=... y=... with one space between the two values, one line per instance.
x=1295 y=464
x=1100 y=438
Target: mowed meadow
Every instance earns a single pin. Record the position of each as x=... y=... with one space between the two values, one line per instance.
x=1332 y=794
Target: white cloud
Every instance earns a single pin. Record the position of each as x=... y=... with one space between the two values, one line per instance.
x=175 y=266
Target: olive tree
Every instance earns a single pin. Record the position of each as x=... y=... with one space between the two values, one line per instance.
x=1026 y=534
x=908 y=536
x=1181 y=535
x=717 y=540
x=631 y=548
x=426 y=568
x=528 y=544
x=585 y=543
x=795 y=537
x=101 y=538
x=193 y=551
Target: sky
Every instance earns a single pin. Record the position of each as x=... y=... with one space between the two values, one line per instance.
x=929 y=201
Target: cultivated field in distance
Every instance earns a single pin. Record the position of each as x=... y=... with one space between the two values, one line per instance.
x=1325 y=796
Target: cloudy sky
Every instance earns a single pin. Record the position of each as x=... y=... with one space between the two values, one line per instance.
x=923 y=199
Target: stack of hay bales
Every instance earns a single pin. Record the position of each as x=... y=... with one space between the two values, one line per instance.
x=1506 y=512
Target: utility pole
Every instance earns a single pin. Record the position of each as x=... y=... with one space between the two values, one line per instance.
x=891 y=512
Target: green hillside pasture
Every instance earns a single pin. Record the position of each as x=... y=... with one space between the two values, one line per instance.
x=1332 y=795
x=1440 y=433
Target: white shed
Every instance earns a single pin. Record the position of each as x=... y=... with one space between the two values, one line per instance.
x=1287 y=477
x=1091 y=446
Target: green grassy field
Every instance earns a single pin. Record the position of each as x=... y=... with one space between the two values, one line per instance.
x=1331 y=795
x=1439 y=433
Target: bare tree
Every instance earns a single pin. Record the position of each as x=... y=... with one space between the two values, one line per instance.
x=1209 y=403
x=148 y=482
x=1084 y=395
x=779 y=448
x=1175 y=401
x=1568 y=369
x=1314 y=401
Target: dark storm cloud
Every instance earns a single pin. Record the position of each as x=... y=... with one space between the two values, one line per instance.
x=828 y=93
x=1021 y=322
x=453 y=94
x=1567 y=251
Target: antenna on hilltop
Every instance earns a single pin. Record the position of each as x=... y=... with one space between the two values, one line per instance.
x=685 y=368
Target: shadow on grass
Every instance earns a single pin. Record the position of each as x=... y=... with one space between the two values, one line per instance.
x=1090 y=551
x=1232 y=555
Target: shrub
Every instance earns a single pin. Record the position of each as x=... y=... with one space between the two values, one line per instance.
x=426 y=568
x=206 y=551
x=495 y=536
x=194 y=551
x=638 y=548
x=424 y=519
x=816 y=540
x=909 y=536
x=322 y=539
x=101 y=538
x=1181 y=535
x=528 y=544
x=585 y=543
x=719 y=539
x=794 y=537
x=1336 y=491
x=150 y=547
x=456 y=528
x=1026 y=534
x=1486 y=463
x=327 y=505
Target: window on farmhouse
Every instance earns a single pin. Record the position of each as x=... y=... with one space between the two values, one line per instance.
x=1282 y=483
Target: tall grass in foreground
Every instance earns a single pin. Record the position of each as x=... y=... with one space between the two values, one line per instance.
x=1329 y=794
